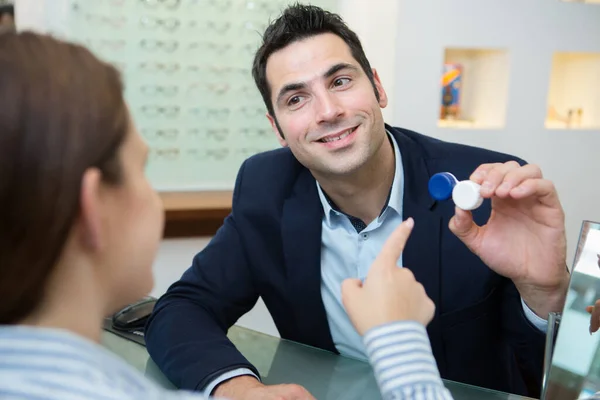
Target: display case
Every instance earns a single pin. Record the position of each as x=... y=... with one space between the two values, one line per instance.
x=186 y=67
x=583 y=1
x=474 y=88
x=573 y=95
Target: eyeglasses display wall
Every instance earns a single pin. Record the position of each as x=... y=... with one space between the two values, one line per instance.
x=186 y=66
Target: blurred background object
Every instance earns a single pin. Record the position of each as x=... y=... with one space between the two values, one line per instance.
x=7 y=16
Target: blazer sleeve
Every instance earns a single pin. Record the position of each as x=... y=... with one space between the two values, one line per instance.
x=186 y=333
x=526 y=340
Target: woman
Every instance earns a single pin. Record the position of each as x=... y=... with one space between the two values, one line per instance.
x=79 y=222
x=80 y=226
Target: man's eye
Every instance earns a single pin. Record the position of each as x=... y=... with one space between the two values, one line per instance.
x=294 y=100
x=341 y=81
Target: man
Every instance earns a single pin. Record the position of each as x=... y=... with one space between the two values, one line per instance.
x=315 y=213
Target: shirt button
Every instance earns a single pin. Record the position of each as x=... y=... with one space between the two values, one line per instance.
x=365 y=236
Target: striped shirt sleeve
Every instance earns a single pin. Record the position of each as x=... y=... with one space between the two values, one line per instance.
x=403 y=362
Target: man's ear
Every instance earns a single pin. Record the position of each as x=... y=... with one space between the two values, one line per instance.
x=278 y=134
x=383 y=99
x=91 y=209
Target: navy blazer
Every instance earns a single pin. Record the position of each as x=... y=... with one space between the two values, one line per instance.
x=270 y=246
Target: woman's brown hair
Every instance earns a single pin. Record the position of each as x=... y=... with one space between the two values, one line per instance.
x=61 y=113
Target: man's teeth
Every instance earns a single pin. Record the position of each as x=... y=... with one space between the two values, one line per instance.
x=334 y=139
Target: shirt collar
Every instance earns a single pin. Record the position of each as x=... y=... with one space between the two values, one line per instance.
x=396 y=191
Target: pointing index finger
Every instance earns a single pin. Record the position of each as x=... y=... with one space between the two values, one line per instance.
x=394 y=245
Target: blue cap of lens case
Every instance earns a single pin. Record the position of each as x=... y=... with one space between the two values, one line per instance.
x=441 y=185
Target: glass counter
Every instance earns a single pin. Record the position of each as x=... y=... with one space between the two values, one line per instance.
x=325 y=375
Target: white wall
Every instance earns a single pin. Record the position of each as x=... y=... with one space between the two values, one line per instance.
x=175 y=256
x=41 y=15
x=375 y=23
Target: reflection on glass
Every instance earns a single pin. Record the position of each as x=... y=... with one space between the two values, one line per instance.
x=575 y=368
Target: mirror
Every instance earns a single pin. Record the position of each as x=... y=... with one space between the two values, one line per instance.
x=575 y=369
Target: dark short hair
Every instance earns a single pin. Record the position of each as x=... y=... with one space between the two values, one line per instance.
x=299 y=22
x=61 y=112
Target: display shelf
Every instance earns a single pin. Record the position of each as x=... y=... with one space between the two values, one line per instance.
x=583 y=1
x=474 y=88
x=190 y=214
x=573 y=96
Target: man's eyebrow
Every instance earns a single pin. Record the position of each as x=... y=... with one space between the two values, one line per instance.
x=337 y=68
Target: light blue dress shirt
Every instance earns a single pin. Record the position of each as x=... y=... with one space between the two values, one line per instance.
x=345 y=253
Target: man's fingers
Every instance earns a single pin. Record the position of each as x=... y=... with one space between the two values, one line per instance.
x=515 y=177
x=394 y=245
x=542 y=189
x=481 y=172
x=495 y=177
x=297 y=392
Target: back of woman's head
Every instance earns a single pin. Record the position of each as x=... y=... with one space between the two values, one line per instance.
x=61 y=113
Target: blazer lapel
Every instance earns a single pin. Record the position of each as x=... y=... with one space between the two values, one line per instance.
x=422 y=252
x=301 y=235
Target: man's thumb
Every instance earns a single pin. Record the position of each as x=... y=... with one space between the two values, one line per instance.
x=463 y=226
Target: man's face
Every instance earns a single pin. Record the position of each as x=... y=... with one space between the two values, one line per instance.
x=325 y=105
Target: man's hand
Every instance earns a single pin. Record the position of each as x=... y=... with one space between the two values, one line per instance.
x=524 y=238
x=249 y=388
x=389 y=293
